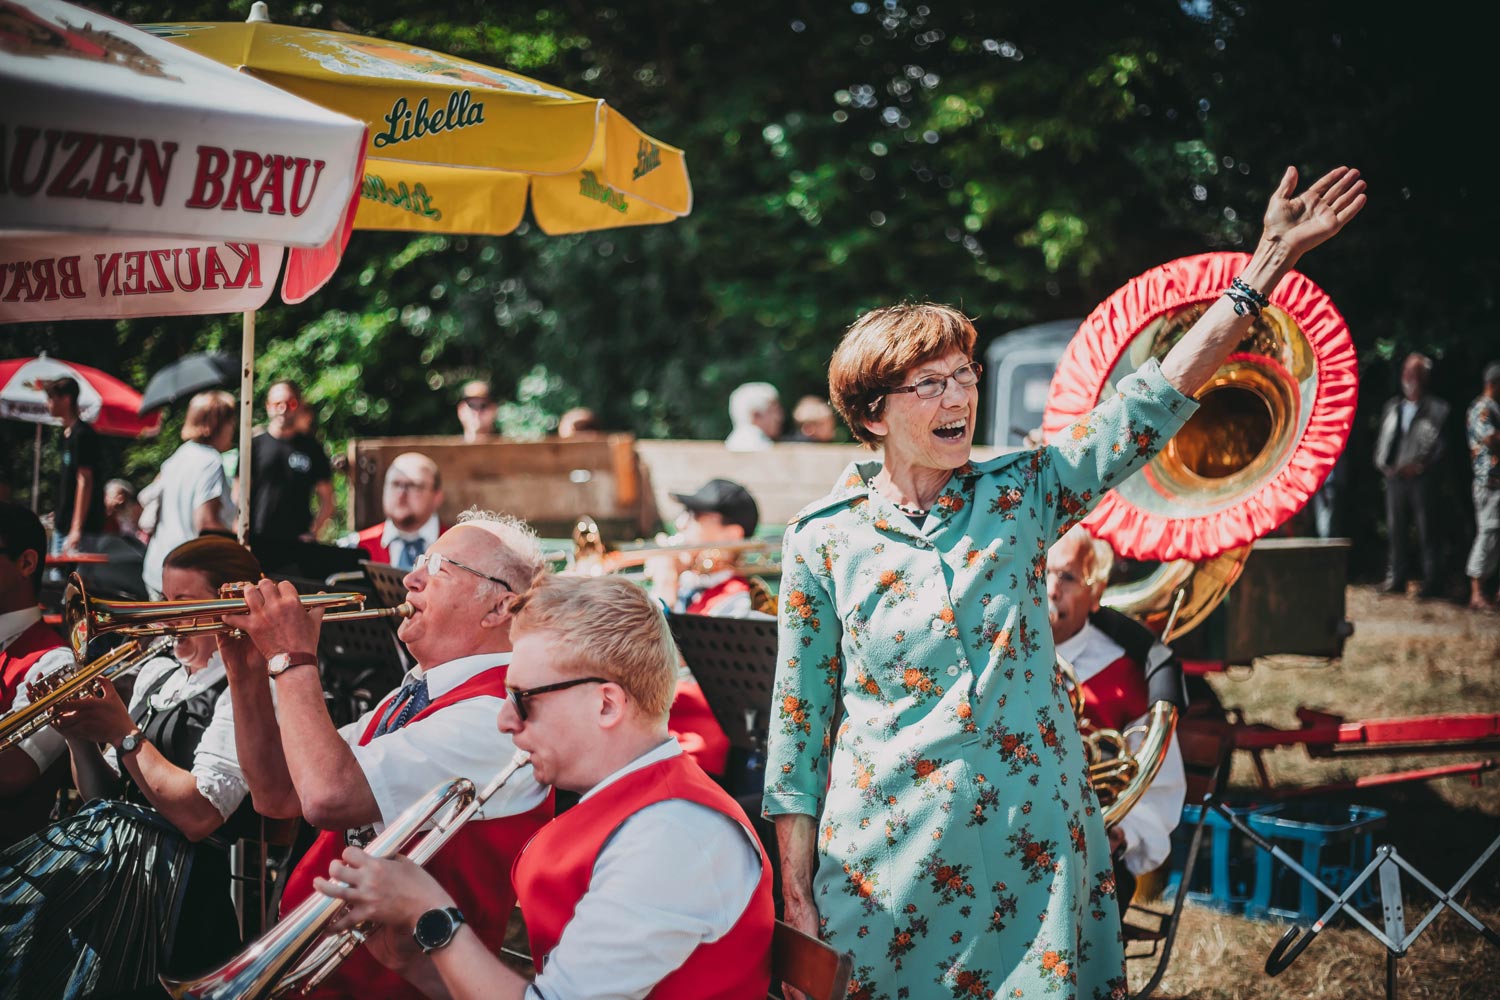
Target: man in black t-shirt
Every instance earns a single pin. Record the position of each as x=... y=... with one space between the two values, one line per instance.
x=80 y=485
x=286 y=470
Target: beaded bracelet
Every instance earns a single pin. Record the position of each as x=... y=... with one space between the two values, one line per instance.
x=1244 y=305
x=1252 y=294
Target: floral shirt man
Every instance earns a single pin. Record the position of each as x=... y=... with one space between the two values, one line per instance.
x=961 y=850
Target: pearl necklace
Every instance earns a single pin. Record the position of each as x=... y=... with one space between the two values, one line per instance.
x=903 y=508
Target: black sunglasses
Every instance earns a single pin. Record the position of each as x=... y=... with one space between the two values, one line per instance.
x=518 y=697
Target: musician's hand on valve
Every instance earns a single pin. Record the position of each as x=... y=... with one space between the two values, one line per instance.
x=390 y=891
x=276 y=620
x=95 y=718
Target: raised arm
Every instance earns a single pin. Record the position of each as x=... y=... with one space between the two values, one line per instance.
x=330 y=785
x=1294 y=224
x=257 y=737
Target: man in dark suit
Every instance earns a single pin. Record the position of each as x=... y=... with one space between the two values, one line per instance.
x=1408 y=447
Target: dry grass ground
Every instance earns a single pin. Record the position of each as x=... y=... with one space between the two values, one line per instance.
x=1405 y=658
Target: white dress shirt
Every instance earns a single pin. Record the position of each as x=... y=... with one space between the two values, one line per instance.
x=1408 y=411
x=45 y=746
x=673 y=876
x=216 y=763
x=748 y=438
x=390 y=535
x=1149 y=824
x=460 y=741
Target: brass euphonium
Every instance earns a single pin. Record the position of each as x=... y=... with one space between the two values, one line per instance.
x=296 y=955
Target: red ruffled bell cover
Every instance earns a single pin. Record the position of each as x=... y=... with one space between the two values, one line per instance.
x=1103 y=338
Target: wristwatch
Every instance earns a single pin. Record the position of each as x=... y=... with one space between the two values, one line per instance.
x=130 y=742
x=435 y=928
x=282 y=662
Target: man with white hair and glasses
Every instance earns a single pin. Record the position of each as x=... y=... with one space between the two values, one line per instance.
x=755 y=411
x=440 y=724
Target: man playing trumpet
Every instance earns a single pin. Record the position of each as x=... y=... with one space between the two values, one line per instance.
x=653 y=885
x=438 y=725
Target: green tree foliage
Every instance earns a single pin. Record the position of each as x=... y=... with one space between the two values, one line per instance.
x=1021 y=159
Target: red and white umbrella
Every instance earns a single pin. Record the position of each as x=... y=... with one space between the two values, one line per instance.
x=103 y=400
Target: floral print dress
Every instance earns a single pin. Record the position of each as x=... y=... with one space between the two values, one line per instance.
x=960 y=849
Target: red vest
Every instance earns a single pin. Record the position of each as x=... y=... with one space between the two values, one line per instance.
x=554 y=871
x=27 y=811
x=706 y=600
x=694 y=725
x=369 y=540
x=474 y=866
x=20 y=656
x=1115 y=696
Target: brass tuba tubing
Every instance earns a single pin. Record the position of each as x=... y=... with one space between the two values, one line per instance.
x=296 y=955
x=76 y=682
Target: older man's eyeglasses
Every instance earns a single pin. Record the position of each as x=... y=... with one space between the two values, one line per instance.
x=518 y=697
x=432 y=562
x=934 y=386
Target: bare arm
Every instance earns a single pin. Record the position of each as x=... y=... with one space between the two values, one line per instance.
x=206 y=517
x=1294 y=224
x=18 y=771
x=257 y=737
x=82 y=491
x=330 y=785
x=394 y=893
x=324 y=491
x=94 y=778
x=91 y=721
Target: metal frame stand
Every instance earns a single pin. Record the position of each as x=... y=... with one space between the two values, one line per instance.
x=1388 y=865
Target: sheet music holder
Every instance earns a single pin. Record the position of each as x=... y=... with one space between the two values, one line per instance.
x=386 y=581
x=734 y=662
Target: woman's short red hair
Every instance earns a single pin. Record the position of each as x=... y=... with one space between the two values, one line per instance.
x=881 y=347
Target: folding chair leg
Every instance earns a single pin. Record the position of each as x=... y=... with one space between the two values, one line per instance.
x=1174 y=920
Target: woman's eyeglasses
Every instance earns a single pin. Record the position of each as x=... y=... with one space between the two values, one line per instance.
x=432 y=562
x=934 y=386
x=518 y=697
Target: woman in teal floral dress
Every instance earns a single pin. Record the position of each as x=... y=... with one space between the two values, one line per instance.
x=945 y=833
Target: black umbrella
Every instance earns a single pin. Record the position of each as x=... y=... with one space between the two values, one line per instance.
x=188 y=375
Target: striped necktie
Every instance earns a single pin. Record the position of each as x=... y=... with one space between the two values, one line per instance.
x=410 y=700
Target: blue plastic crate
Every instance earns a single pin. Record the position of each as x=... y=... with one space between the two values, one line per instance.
x=1224 y=876
x=1331 y=839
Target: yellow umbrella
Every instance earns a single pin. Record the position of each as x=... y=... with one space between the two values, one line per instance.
x=455 y=146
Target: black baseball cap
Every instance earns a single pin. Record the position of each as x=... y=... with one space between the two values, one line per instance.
x=729 y=500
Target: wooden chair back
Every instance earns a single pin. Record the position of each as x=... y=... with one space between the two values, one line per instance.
x=817 y=969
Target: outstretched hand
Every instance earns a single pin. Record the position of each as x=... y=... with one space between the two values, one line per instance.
x=1304 y=221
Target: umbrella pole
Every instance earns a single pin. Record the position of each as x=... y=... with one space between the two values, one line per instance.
x=247 y=412
x=36 y=473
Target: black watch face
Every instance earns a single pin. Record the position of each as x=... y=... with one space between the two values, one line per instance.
x=434 y=929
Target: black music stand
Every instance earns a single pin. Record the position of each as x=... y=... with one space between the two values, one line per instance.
x=385 y=579
x=734 y=662
x=361 y=660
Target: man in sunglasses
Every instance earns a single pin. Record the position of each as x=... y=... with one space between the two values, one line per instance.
x=653 y=884
x=438 y=725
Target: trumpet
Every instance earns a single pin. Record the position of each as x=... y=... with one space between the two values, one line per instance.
x=50 y=694
x=262 y=969
x=86 y=617
x=592 y=557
